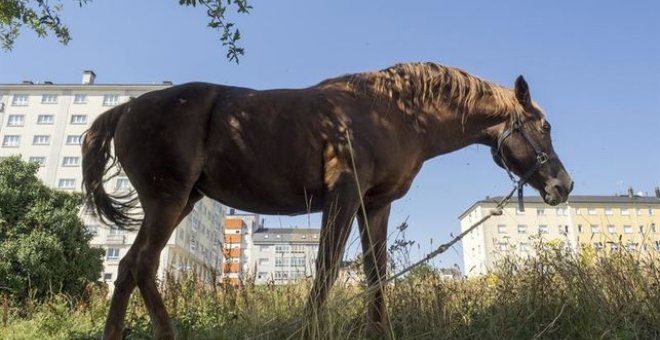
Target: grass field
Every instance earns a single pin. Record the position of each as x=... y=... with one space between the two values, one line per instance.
x=554 y=296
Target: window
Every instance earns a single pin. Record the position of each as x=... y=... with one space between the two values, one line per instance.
x=41 y=160
x=627 y=229
x=579 y=228
x=78 y=119
x=71 y=161
x=611 y=229
x=110 y=99
x=543 y=229
x=93 y=229
x=114 y=230
x=264 y=248
x=20 y=100
x=66 y=183
x=262 y=275
x=46 y=119
x=540 y=212
x=560 y=211
x=522 y=229
x=113 y=253
x=123 y=183
x=598 y=246
x=625 y=211
x=578 y=212
x=107 y=277
x=519 y=212
x=524 y=246
x=657 y=245
x=595 y=229
x=195 y=222
x=281 y=261
x=641 y=229
x=501 y=228
x=298 y=262
x=503 y=246
x=49 y=99
x=41 y=140
x=263 y=261
x=11 y=141
x=632 y=247
x=609 y=212
x=79 y=98
x=638 y=211
x=563 y=229
x=297 y=248
x=614 y=246
x=281 y=249
x=650 y=212
x=591 y=211
x=280 y=275
x=654 y=229
x=73 y=140
x=16 y=120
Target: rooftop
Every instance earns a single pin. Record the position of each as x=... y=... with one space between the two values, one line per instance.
x=574 y=200
x=286 y=235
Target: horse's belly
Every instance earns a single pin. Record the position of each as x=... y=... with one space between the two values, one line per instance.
x=262 y=190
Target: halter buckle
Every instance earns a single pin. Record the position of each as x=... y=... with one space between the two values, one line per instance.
x=542 y=158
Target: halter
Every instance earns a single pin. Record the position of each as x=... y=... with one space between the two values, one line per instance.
x=541 y=158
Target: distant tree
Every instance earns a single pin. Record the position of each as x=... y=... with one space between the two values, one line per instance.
x=44 y=246
x=43 y=16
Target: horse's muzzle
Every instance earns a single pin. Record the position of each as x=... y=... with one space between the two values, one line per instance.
x=557 y=189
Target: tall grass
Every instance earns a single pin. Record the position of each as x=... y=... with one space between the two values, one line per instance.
x=556 y=295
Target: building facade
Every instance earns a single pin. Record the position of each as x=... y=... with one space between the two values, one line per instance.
x=238 y=246
x=604 y=223
x=43 y=122
x=283 y=255
x=266 y=255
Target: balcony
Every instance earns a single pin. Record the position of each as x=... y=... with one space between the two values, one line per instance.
x=115 y=239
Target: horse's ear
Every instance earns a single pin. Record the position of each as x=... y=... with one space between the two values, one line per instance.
x=522 y=92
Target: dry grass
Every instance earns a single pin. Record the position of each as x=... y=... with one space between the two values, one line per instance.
x=555 y=296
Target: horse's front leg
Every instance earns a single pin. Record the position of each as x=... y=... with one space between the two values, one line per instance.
x=339 y=210
x=373 y=233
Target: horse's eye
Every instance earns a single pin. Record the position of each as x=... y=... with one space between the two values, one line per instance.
x=546 y=127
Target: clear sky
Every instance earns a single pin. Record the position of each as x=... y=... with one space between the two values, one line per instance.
x=594 y=66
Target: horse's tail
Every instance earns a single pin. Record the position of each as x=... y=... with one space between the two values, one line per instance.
x=96 y=153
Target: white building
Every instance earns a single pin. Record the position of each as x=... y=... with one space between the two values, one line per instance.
x=603 y=223
x=283 y=255
x=43 y=123
x=278 y=255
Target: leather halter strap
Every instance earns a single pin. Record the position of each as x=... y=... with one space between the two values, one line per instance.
x=541 y=158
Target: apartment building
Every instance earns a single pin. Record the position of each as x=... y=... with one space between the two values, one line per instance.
x=43 y=123
x=266 y=255
x=238 y=246
x=283 y=255
x=604 y=223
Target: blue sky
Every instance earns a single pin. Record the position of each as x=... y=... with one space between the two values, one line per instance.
x=594 y=66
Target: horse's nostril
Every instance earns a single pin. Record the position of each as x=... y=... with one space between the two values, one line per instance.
x=570 y=189
x=562 y=190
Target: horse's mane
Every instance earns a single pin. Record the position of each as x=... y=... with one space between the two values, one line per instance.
x=419 y=86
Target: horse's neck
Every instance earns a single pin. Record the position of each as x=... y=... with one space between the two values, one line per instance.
x=450 y=131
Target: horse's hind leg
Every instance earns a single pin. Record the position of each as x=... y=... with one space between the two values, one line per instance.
x=139 y=265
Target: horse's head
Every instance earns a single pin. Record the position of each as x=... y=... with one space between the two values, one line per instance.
x=524 y=147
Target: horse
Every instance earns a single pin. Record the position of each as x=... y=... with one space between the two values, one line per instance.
x=346 y=147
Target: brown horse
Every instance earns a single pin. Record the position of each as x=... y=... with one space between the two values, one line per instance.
x=347 y=146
